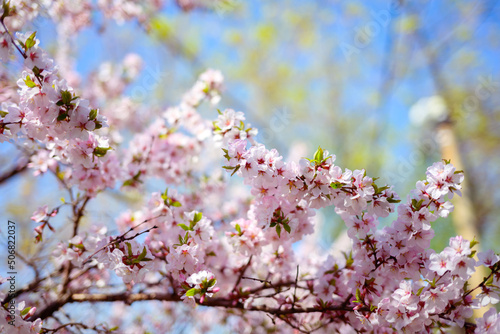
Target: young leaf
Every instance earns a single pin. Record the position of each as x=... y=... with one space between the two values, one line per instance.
x=30 y=42
x=143 y=254
x=191 y=292
x=392 y=200
x=358 y=296
x=336 y=185
x=235 y=169
x=197 y=217
x=212 y=282
x=29 y=82
x=184 y=227
x=25 y=311
x=287 y=227
x=66 y=97
x=101 y=151
x=129 y=248
x=92 y=114
x=318 y=155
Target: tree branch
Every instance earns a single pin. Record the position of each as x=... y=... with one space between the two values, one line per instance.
x=13 y=172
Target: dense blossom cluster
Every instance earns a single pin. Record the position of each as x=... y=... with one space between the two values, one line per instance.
x=203 y=240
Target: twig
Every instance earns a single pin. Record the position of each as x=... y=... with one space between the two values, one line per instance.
x=76 y=324
x=13 y=172
x=295 y=288
x=12 y=39
x=242 y=273
x=122 y=238
x=258 y=280
x=79 y=214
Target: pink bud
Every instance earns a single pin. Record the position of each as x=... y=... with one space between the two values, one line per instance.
x=30 y=313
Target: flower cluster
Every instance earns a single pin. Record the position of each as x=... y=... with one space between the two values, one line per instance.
x=15 y=319
x=203 y=284
x=56 y=124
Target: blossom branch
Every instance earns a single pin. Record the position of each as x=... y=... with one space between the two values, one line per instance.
x=122 y=238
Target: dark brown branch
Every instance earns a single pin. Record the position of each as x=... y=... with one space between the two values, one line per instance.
x=17 y=170
x=242 y=273
x=79 y=214
x=295 y=288
x=12 y=39
x=74 y=324
x=130 y=298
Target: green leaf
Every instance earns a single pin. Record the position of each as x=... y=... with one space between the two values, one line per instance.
x=212 y=282
x=25 y=311
x=197 y=217
x=36 y=71
x=473 y=242
x=392 y=200
x=191 y=292
x=318 y=155
x=133 y=180
x=235 y=169
x=278 y=230
x=226 y=154
x=238 y=228
x=29 y=82
x=129 y=248
x=66 y=97
x=92 y=114
x=336 y=185
x=358 y=296
x=176 y=204
x=184 y=227
x=30 y=42
x=143 y=254
x=98 y=125
x=101 y=151
x=287 y=228
x=3 y=113
x=114 y=328
x=164 y=196
x=62 y=117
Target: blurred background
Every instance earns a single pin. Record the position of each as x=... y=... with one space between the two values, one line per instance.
x=389 y=86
